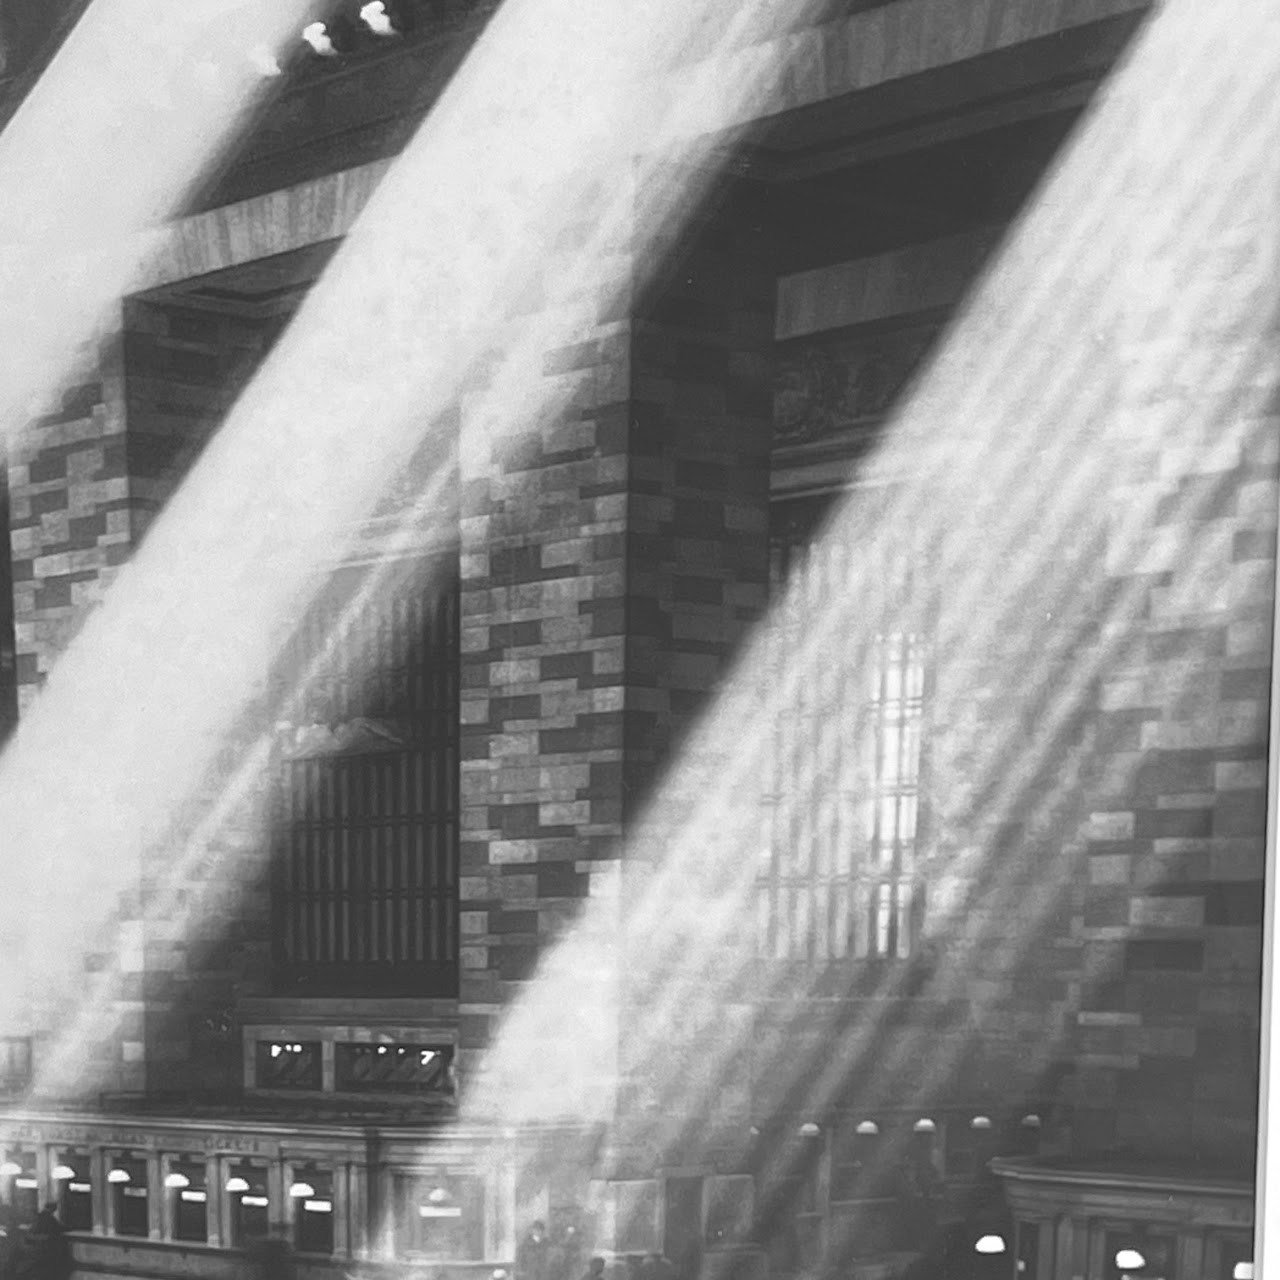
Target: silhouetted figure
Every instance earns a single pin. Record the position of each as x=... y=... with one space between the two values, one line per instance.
x=48 y=1248
x=595 y=1269
x=269 y=1257
x=948 y=1257
x=565 y=1257
x=658 y=1267
x=8 y=1250
x=533 y=1254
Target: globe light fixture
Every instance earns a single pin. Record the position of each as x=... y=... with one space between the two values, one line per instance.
x=374 y=15
x=318 y=37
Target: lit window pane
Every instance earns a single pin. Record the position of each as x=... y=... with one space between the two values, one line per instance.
x=888 y=827
x=884 y=918
x=908 y=806
x=890 y=755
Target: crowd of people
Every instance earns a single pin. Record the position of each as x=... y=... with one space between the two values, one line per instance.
x=36 y=1250
x=560 y=1256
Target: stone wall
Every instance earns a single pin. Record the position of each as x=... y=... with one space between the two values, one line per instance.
x=610 y=567
x=86 y=480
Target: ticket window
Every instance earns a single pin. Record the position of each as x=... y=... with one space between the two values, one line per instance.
x=1135 y=1255
x=1235 y=1260
x=311 y=1194
x=971 y=1142
x=127 y=1178
x=441 y=1217
x=250 y=1206
x=992 y=1256
x=1027 y=1262
x=73 y=1189
x=188 y=1198
x=857 y=1165
x=21 y=1186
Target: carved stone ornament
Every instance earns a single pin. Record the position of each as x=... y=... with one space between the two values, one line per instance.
x=823 y=386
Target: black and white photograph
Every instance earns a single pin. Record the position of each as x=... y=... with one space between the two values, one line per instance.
x=637 y=639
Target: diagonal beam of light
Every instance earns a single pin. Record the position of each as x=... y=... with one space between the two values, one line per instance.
x=427 y=302
x=1123 y=324
x=116 y=136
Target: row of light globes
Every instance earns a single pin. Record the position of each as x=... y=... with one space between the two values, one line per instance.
x=990 y=1244
x=175 y=1181
x=383 y=19
x=1133 y=1262
x=869 y=1128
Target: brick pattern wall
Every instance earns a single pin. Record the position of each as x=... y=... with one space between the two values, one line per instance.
x=700 y=435
x=609 y=568
x=86 y=479
x=1108 y=938
x=69 y=513
x=1165 y=1041
x=1098 y=909
x=183 y=369
x=543 y=566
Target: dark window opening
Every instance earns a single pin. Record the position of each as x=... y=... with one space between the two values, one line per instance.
x=15 y=1051
x=1027 y=1264
x=1139 y=1256
x=391 y=1068
x=74 y=1195
x=283 y=1064
x=130 y=1215
x=859 y=1170
x=366 y=878
x=440 y=1219
x=312 y=1197
x=189 y=1201
x=18 y=1174
x=250 y=1217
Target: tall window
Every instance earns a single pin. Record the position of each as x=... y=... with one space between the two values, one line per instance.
x=15 y=1063
x=365 y=894
x=838 y=875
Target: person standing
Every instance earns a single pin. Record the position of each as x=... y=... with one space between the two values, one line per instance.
x=50 y=1249
x=659 y=1267
x=533 y=1254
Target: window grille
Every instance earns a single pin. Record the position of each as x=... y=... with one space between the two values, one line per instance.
x=838 y=875
x=392 y=1068
x=15 y=1063
x=289 y=1065
x=365 y=891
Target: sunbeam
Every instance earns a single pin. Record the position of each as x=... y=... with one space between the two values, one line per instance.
x=116 y=136
x=435 y=278
x=1072 y=368
x=893 y=818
